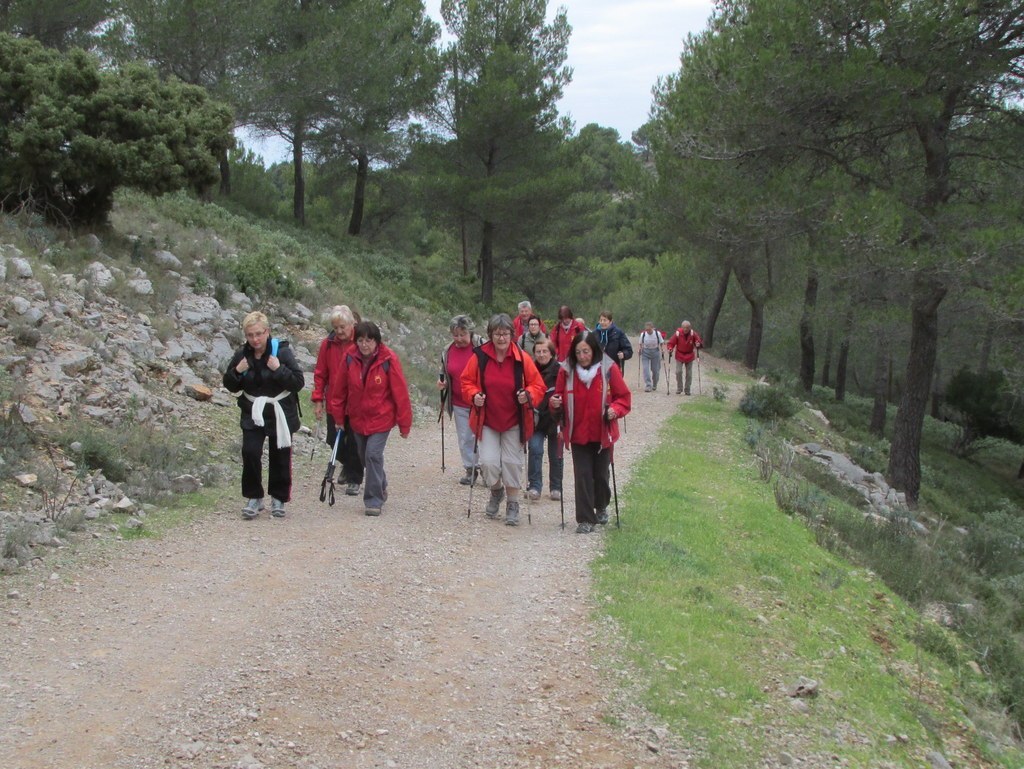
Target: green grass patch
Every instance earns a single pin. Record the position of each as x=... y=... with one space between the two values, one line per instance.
x=725 y=601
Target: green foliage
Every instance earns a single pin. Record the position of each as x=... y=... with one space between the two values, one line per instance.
x=767 y=403
x=996 y=544
x=259 y=272
x=71 y=134
x=16 y=438
x=57 y=24
x=96 y=448
x=980 y=403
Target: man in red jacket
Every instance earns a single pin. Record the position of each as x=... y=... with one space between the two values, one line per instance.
x=685 y=342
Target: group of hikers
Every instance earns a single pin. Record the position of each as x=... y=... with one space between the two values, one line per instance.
x=509 y=393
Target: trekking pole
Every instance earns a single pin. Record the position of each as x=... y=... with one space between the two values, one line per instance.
x=316 y=440
x=700 y=389
x=639 y=366
x=664 y=367
x=440 y=418
x=472 y=483
x=328 y=482
x=561 y=458
x=615 y=489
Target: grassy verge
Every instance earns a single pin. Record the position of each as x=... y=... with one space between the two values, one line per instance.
x=725 y=602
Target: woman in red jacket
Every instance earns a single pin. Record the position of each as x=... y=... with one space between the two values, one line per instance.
x=372 y=393
x=565 y=331
x=503 y=386
x=592 y=396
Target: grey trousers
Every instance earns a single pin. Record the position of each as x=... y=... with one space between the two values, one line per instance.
x=375 y=480
x=467 y=441
x=679 y=376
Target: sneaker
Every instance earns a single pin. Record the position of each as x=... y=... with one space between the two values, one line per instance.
x=555 y=494
x=467 y=479
x=679 y=392
x=373 y=511
x=584 y=528
x=492 y=504
x=602 y=516
x=647 y=389
x=252 y=508
x=533 y=494
x=352 y=490
x=512 y=513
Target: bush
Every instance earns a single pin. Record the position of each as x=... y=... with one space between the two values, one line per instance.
x=996 y=545
x=767 y=403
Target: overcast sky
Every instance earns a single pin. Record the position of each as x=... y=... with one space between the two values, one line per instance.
x=618 y=49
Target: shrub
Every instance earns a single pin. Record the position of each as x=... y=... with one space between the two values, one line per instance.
x=767 y=403
x=996 y=545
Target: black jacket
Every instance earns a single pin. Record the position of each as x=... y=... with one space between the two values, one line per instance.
x=613 y=341
x=545 y=421
x=260 y=380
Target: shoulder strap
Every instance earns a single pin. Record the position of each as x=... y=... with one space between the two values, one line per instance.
x=274 y=344
x=481 y=360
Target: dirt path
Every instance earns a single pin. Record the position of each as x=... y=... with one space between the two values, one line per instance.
x=422 y=638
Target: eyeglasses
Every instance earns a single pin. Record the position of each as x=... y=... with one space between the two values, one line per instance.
x=502 y=333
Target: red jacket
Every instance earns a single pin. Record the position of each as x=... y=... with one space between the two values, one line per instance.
x=328 y=363
x=374 y=402
x=519 y=327
x=685 y=344
x=583 y=405
x=563 y=339
x=502 y=411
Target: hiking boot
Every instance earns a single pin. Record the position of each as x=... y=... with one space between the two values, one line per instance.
x=276 y=507
x=555 y=494
x=602 y=516
x=584 y=528
x=492 y=504
x=467 y=479
x=533 y=494
x=512 y=512
x=352 y=490
x=252 y=508
x=647 y=389
x=373 y=511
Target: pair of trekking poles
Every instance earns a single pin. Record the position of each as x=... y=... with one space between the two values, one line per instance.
x=664 y=367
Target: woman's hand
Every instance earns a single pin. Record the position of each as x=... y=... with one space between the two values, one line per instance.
x=318 y=409
x=478 y=399
x=273 y=363
x=611 y=415
x=242 y=366
x=522 y=396
x=555 y=402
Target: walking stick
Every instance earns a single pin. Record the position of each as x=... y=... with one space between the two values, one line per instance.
x=328 y=482
x=561 y=458
x=615 y=489
x=664 y=367
x=700 y=389
x=472 y=483
x=639 y=366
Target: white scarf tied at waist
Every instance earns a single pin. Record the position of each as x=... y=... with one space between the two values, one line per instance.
x=284 y=435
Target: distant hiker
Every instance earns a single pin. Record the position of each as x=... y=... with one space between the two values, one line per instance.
x=545 y=429
x=267 y=378
x=590 y=397
x=686 y=342
x=373 y=395
x=453 y=361
x=533 y=335
x=503 y=386
x=328 y=363
x=613 y=340
x=565 y=331
x=522 y=318
x=652 y=345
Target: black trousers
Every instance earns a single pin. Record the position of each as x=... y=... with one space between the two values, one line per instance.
x=348 y=452
x=279 y=471
x=590 y=469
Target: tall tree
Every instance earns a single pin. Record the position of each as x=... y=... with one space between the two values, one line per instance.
x=504 y=74
x=59 y=24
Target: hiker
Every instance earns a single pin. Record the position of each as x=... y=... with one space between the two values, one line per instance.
x=532 y=337
x=652 y=346
x=592 y=396
x=328 y=363
x=453 y=362
x=523 y=317
x=613 y=340
x=503 y=386
x=371 y=392
x=264 y=374
x=565 y=331
x=685 y=342
x=546 y=429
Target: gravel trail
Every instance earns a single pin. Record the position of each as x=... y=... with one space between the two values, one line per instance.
x=423 y=638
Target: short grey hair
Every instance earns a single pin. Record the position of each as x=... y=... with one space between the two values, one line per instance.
x=341 y=312
x=501 y=320
x=525 y=303
x=461 y=322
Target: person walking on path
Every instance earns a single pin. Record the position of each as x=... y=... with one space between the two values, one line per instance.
x=522 y=319
x=614 y=342
x=264 y=374
x=503 y=386
x=592 y=396
x=532 y=337
x=545 y=429
x=685 y=342
x=328 y=363
x=565 y=331
x=652 y=345
x=454 y=358
x=373 y=394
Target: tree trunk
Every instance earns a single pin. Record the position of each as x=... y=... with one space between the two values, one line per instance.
x=936 y=387
x=465 y=246
x=986 y=348
x=487 y=264
x=299 y=198
x=807 y=331
x=744 y=278
x=826 y=364
x=905 y=455
x=844 y=356
x=355 y=223
x=716 y=307
x=225 y=174
x=880 y=385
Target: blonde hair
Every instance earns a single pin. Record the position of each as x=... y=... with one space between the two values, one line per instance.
x=341 y=312
x=255 y=317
